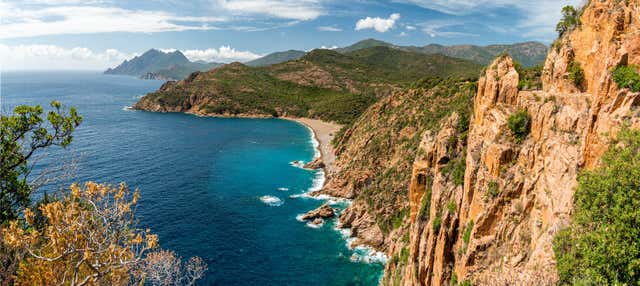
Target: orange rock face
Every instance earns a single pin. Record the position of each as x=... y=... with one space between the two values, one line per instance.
x=517 y=196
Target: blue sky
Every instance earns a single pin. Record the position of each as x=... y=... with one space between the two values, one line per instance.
x=95 y=34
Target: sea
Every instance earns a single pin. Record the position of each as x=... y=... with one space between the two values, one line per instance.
x=225 y=189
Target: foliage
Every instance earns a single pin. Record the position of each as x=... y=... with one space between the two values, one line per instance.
x=425 y=205
x=529 y=78
x=340 y=89
x=451 y=206
x=398 y=218
x=21 y=136
x=570 y=20
x=576 y=74
x=415 y=110
x=164 y=268
x=493 y=189
x=466 y=235
x=520 y=125
x=404 y=256
x=627 y=77
x=601 y=247
x=437 y=221
x=90 y=238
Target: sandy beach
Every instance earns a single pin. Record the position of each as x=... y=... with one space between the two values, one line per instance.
x=324 y=132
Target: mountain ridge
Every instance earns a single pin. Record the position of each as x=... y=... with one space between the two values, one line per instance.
x=156 y=64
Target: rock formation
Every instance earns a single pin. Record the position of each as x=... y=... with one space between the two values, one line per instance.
x=498 y=227
x=324 y=211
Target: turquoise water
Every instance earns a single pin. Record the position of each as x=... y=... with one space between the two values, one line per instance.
x=201 y=180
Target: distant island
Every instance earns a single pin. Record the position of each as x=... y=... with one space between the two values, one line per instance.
x=159 y=65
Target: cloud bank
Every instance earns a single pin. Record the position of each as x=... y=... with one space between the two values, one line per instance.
x=52 y=57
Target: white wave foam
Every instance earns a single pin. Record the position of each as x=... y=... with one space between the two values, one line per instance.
x=297 y=164
x=127 y=108
x=366 y=254
x=313 y=225
x=138 y=96
x=283 y=189
x=272 y=201
x=299 y=217
x=314 y=142
x=318 y=181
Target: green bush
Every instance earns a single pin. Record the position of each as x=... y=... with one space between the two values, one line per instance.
x=466 y=235
x=520 y=125
x=602 y=244
x=437 y=221
x=576 y=75
x=570 y=20
x=459 y=168
x=627 y=77
x=451 y=206
x=404 y=256
x=493 y=189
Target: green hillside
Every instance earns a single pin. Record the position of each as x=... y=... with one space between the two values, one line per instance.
x=276 y=58
x=322 y=84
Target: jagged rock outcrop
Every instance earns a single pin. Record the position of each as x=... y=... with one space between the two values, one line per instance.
x=324 y=211
x=317 y=163
x=498 y=227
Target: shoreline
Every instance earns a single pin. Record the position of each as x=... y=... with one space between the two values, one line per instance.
x=322 y=132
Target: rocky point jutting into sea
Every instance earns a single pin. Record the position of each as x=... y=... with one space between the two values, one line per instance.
x=438 y=182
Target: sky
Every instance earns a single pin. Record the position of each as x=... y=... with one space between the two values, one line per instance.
x=96 y=34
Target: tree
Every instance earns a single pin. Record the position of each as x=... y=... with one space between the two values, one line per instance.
x=164 y=268
x=602 y=244
x=91 y=237
x=570 y=20
x=21 y=136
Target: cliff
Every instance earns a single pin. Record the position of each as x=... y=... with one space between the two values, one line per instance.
x=483 y=205
x=517 y=195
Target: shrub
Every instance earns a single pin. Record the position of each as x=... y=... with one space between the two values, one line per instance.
x=520 y=125
x=576 y=75
x=627 y=77
x=601 y=244
x=437 y=221
x=404 y=256
x=570 y=20
x=451 y=206
x=466 y=235
x=459 y=168
x=493 y=189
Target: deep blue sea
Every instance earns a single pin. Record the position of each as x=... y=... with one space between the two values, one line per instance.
x=203 y=181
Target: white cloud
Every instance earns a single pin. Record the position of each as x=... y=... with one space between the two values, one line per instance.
x=379 y=24
x=51 y=57
x=329 y=29
x=539 y=16
x=403 y=34
x=329 y=47
x=224 y=54
x=437 y=28
x=409 y=27
x=58 y=20
x=286 y=9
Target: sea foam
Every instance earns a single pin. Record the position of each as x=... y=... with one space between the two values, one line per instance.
x=271 y=201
